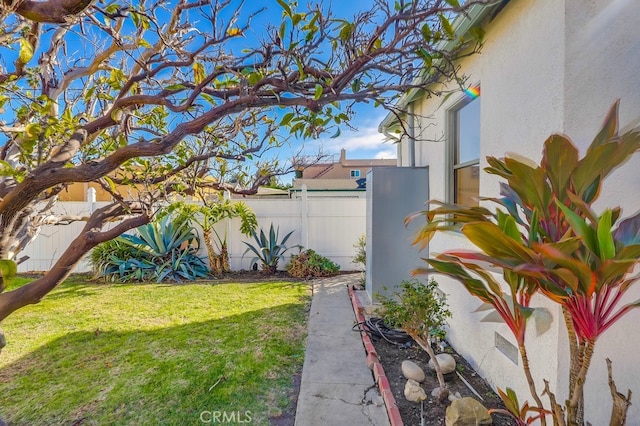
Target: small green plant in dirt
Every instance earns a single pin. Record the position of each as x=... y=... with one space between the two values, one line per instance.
x=420 y=308
x=310 y=264
x=522 y=415
x=360 y=259
x=161 y=250
x=268 y=251
x=361 y=252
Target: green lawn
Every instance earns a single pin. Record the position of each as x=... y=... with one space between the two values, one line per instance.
x=153 y=353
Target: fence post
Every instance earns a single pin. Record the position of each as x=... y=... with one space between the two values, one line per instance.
x=91 y=200
x=304 y=213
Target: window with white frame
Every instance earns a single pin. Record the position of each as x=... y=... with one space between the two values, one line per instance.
x=465 y=149
x=355 y=173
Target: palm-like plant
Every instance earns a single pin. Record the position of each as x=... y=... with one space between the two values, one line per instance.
x=546 y=238
x=268 y=250
x=207 y=216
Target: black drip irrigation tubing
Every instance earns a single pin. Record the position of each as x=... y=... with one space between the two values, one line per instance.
x=376 y=327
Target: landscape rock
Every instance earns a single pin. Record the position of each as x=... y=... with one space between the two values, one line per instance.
x=411 y=370
x=467 y=411
x=414 y=392
x=454 y=396
x=450 y=396
x=447 y=363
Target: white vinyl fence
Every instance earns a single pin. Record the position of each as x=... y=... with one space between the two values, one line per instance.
x=330 y=226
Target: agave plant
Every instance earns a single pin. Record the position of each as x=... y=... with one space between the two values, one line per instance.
x=546 y=237
x=268 y=250
x=161 y=237
x=161 y=250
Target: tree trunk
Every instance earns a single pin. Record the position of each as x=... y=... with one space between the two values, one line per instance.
x=557 y=410
x=576 y=350
x=530 y=381
x=3 y=341
x=444 y=392
x=224 y=254
x=620 y=402
x=577 y=393
x=214 y=263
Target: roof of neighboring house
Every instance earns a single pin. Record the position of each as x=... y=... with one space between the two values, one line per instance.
x=264 y=191
x=330 y=184
x=315 y=171
x=365 y=163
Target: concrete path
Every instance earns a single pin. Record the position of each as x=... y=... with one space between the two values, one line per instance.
x=336 y=388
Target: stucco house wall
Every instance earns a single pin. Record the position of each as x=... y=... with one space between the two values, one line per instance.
x=547 y=66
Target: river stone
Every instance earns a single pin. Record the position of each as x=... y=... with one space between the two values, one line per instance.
x=447 y=363
x=467 y=411
x=411 y=370
x=453 y=396
x=414 y=392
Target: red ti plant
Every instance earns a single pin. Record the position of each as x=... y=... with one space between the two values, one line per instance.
x=520 y=414
x=546 y=237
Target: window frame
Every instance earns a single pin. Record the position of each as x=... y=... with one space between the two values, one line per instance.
x=354 y=173
x=453 y=146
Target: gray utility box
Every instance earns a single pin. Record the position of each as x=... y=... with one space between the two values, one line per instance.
x=393 y=193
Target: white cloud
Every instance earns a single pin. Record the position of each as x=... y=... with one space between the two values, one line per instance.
x=365 y=142
x=386 y=154
x=364 y=139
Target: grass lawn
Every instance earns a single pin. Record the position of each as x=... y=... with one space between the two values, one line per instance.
x=96 y=354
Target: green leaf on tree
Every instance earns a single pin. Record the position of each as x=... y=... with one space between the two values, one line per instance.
x=446 y=26
x=198 y=72
x=8 y=271
x=286 y=119
x=427 y=34
x=26 y=51
x=285 y=6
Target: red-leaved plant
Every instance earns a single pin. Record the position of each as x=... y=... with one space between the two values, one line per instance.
x=546 y=238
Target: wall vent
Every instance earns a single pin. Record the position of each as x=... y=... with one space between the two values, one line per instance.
x=507 y=348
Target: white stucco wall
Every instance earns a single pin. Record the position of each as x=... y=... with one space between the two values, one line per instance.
x=602 y=61
x=548 y=66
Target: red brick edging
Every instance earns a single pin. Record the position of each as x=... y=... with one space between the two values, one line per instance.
x=373 y=362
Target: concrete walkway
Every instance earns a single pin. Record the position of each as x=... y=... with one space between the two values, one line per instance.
x=336 y=388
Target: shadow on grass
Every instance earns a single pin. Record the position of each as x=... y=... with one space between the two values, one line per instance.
x=242 y=363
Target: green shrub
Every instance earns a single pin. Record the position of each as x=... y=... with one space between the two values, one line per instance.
x=310 y=264
x=421 y=310
x=361 y=253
